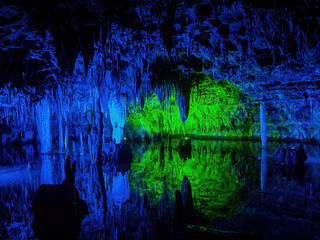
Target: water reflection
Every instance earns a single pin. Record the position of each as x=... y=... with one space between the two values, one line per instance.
x=46 y=169
x=263 y=168
x=221 y=173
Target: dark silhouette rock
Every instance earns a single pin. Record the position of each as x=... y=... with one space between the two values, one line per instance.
x=294 y=157
x=185 y=148
x=224 y=30
x=301 y=154
x=291 y=172
x=3 y=231
x=162 y=151
x=287 y=159
x=263 y=57
x=178 y=209
x=290 y=156
x=124 y=156
x=144 y=206
x=203 y=11
x=186 y=192
x=58 y=209
x=280 y=156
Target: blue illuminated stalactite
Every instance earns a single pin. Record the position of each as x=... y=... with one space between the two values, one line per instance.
x=118 y=112
x=81 y=148
x=43 y=125
x=66 y=139
x=60 y=132
x=263 y=123
x=44 y=133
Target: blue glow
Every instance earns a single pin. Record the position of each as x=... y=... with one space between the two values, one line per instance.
x=117 y=110
x=195 y=88
x=43 y=125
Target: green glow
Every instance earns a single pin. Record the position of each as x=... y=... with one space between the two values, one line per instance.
x=217 y=109
x=219 y=173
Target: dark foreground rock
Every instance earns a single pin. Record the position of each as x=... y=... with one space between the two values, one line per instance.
x=290 y=156
x=58 y=210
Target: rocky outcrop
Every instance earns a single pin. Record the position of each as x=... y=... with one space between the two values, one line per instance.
x=258 y=47
x=58 y=209
x=290 y=156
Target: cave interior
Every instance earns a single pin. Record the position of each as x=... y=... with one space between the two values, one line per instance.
x=159 y=119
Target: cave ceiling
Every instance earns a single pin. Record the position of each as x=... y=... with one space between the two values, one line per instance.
x=268 y=48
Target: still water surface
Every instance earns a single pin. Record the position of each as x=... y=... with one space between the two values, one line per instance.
x=232 y=182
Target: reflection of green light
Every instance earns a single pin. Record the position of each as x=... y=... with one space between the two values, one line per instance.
x=216 y=172
x=217 y=108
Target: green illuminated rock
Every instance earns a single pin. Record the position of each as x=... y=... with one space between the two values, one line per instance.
x=217 y=109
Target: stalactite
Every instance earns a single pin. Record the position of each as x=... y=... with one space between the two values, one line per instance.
x=66 y=136
x=43 y=124
x=117 y=110
x=99 y=156
x=183 y=104
x=60 y=132
x=263 y=123
x=81 y=148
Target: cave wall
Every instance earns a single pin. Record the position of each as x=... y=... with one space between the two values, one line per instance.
x=86 y=63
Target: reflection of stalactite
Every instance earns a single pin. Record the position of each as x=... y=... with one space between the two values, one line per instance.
x=120 y=189
x=263 y=168
x=92 y=146
x=62 y=170
x=46 y=169
x=99 y=159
